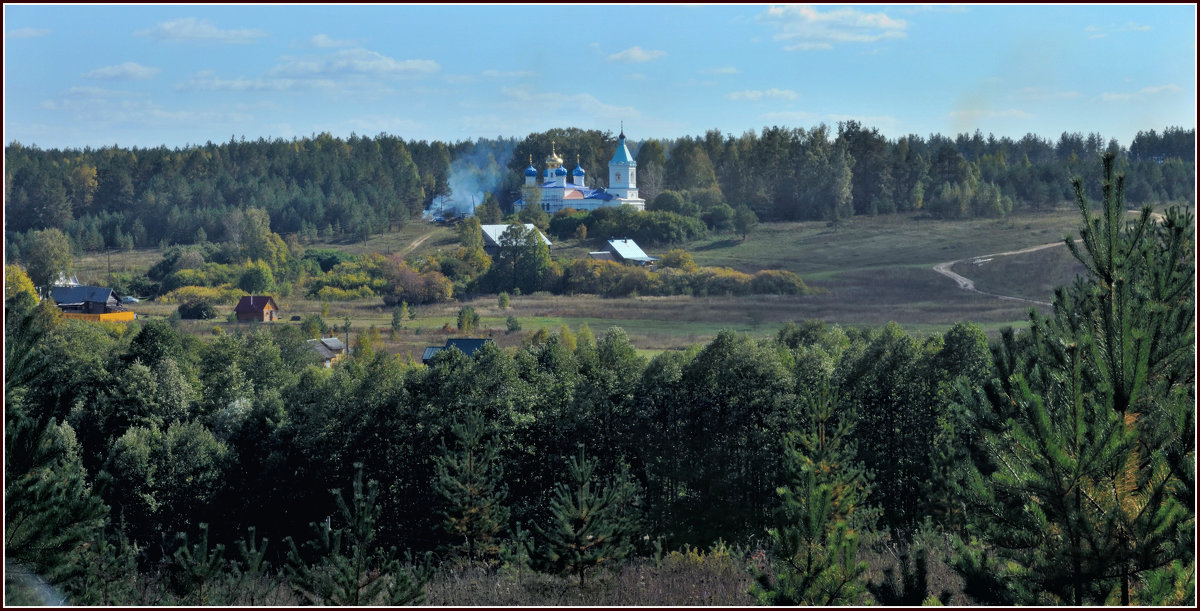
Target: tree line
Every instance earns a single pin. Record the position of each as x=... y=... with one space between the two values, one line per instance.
x=322 y=187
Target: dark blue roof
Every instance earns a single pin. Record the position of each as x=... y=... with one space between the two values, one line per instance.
x=530 y=171
x=579 y=171
x=468 y=345
x=81 y=294
x=560 y=171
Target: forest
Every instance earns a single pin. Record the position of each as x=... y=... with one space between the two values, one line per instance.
x=328 y=188
x=1053 y=465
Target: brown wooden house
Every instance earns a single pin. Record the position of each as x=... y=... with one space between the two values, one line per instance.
x=258 y=308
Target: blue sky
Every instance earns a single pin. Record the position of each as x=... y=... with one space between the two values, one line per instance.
x=150 y=75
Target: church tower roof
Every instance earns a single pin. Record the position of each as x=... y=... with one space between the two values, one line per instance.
x=622 y=153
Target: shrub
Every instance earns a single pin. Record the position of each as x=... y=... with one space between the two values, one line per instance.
x=512 y=324
x=197 y=310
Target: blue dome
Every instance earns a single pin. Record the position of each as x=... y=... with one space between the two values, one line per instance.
x=560 y=171
x=579 y=171
x=529 y=171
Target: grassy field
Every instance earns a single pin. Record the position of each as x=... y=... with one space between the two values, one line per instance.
x=873 y=271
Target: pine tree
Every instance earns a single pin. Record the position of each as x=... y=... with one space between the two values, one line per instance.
x=346 y=567
x=592 y=524
x=815 y=541
x=1085 y=489
x=470 y=481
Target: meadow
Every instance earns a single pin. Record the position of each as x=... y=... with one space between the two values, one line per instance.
x=871 y=271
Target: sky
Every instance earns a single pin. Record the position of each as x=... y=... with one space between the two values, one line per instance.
x=180 y=75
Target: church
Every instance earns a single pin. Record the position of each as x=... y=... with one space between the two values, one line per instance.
x=555 y=192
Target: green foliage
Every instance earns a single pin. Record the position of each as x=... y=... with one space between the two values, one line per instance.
x=467 y=319
x=470 y=481
x=347 y=566
x=314 y=326
x=108 y=572
x=47 y=255
x=502 y=300
x=591 y=524
x=744 y=221
x=815 y=541
x=400 y=315
x=512 y=325
x=257 y=279
x=197 y=310
x=162 y=479
x=50 y=509
x=1081 y=492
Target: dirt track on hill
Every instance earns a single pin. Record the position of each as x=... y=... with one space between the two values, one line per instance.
x=969 y=285
x=415 y=244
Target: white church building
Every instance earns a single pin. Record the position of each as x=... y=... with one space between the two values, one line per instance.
x=555 y=193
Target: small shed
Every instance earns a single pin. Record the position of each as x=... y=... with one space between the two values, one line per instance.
x=627 y=251
x=329 y=348
x=260 y=308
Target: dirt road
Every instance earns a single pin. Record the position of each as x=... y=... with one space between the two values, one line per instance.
x=969 y=285
x=415 y=244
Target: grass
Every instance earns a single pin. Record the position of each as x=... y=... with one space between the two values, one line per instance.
x=875 y=271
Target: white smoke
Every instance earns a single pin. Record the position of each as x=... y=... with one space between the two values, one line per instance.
x=479 y=168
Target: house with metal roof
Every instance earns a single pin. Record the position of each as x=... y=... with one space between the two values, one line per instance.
x=467 y=345
x=555 y=193
x=330 y=349
x=94 y=303
x=493 y=233
x=627 y=251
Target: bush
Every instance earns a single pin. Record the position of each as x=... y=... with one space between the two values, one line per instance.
x=512 y=324
x=197 y=310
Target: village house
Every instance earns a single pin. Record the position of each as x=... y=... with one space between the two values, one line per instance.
x=256 y=308
x=93 y=303
x=492 y=234
x=331 y=349
x=623 y=251
x=467 y=345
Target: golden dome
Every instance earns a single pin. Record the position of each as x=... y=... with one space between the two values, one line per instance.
x=553 y=159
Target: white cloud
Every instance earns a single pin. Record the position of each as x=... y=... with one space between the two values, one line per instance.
x=787 y=116
x=1141 y=94
x=636 y=55
x=1038 y=94
x=754 y=95
x=549 y=103
x=101 y=108
x=322 y=41
x=977 y=114
x=190 y=29
x=209 y=81
x=376 y=124
x=722 y=70
x=1097 y=31
x=353 y=62
x=26 y=33
x=127 y=71
x=804 y=28
x=508 y=75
